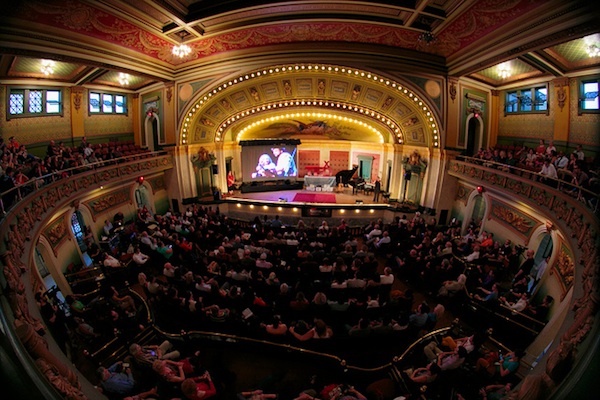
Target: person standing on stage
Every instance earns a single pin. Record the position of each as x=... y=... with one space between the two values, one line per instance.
x=230 y=181
x=285 y=162
x=377 y=189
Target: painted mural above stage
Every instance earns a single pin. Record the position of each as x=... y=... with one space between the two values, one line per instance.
x=312 y=128
x=312 y=102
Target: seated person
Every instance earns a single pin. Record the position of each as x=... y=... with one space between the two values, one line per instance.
x=169 y=371
x=110 y=261
x=125 y=303
x=419 y=318
x=319 y=331
x=488 y=296
x=450 y=288
x=495 y=392
x=520 y=304
x=146 y=355
x=498 y=365
x=426 y=374
x=446 y=360
x=276 y=328
x=117 y=379
x=198 y=388
x=139 y=258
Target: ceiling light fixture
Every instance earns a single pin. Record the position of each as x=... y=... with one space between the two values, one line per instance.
x=182 y=50
x=123 y=79
x=47 y=67
x=504 y=71
x=593 y=49
x=427 y=38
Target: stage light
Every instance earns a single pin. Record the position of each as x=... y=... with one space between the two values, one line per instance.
x=251 y=205
x=294 y=209
x=479 y=189
x=265 y=207
x=140 y=180
x=239 y=205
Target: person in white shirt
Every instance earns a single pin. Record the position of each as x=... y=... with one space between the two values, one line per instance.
x=108 y=227
x=579 y=152
x=548 y=172
x=169 y=270
x=387 y=278
x=550 y=149
x=385 y=239
x=148 y=241
x=474 y=255
x=110 y=261
x=374 y=235
x=520 y=305
x=561 y=161
x=140 y=258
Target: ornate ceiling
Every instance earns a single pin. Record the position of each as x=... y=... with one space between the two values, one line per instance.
x=89 y=39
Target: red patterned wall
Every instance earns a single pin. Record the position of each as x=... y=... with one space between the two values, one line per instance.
x=308 y=158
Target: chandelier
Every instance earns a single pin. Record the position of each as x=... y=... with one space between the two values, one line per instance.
x=47 y=67
x=123 y=79
x=427 y=38
x=504 y=71
x=593 y=50
x=181 y=50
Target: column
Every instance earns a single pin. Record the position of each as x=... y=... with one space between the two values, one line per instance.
x=494 y=117
x=136 y=113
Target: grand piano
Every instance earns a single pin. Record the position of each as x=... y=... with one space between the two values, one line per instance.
x=345 y=176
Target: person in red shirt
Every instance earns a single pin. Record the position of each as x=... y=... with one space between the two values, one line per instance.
x=230 y=181
x=541 y=149
x=199 y=388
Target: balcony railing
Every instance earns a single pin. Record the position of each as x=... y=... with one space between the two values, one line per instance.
x=578 y=220
x=32 y=206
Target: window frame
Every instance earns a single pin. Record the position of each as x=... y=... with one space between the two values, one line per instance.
x=114 y=105
x=580 y=95
x=10 y=90
x=519 y=93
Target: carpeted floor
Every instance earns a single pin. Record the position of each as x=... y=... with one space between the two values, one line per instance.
x=314 y=198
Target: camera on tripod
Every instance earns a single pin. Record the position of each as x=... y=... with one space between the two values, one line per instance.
x=51 y=293
x=520 y=249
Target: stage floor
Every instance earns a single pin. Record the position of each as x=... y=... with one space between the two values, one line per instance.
x=345 y=197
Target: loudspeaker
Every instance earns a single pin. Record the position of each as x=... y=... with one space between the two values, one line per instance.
x=215 y=169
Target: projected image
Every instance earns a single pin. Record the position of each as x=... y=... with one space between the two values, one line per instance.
x=269 y=162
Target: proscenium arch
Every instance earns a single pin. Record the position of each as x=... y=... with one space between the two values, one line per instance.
x=382 y=103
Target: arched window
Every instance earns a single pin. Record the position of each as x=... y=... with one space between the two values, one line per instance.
x=544 y=249
x=77 y=225
x=478 y=209
x=142 y=198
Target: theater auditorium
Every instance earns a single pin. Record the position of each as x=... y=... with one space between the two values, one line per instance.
x=308 y=199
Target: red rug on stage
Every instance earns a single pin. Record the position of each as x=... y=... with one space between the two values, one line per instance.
x=314 y=198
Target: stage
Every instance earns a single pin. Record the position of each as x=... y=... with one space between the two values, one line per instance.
x=303 y=196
